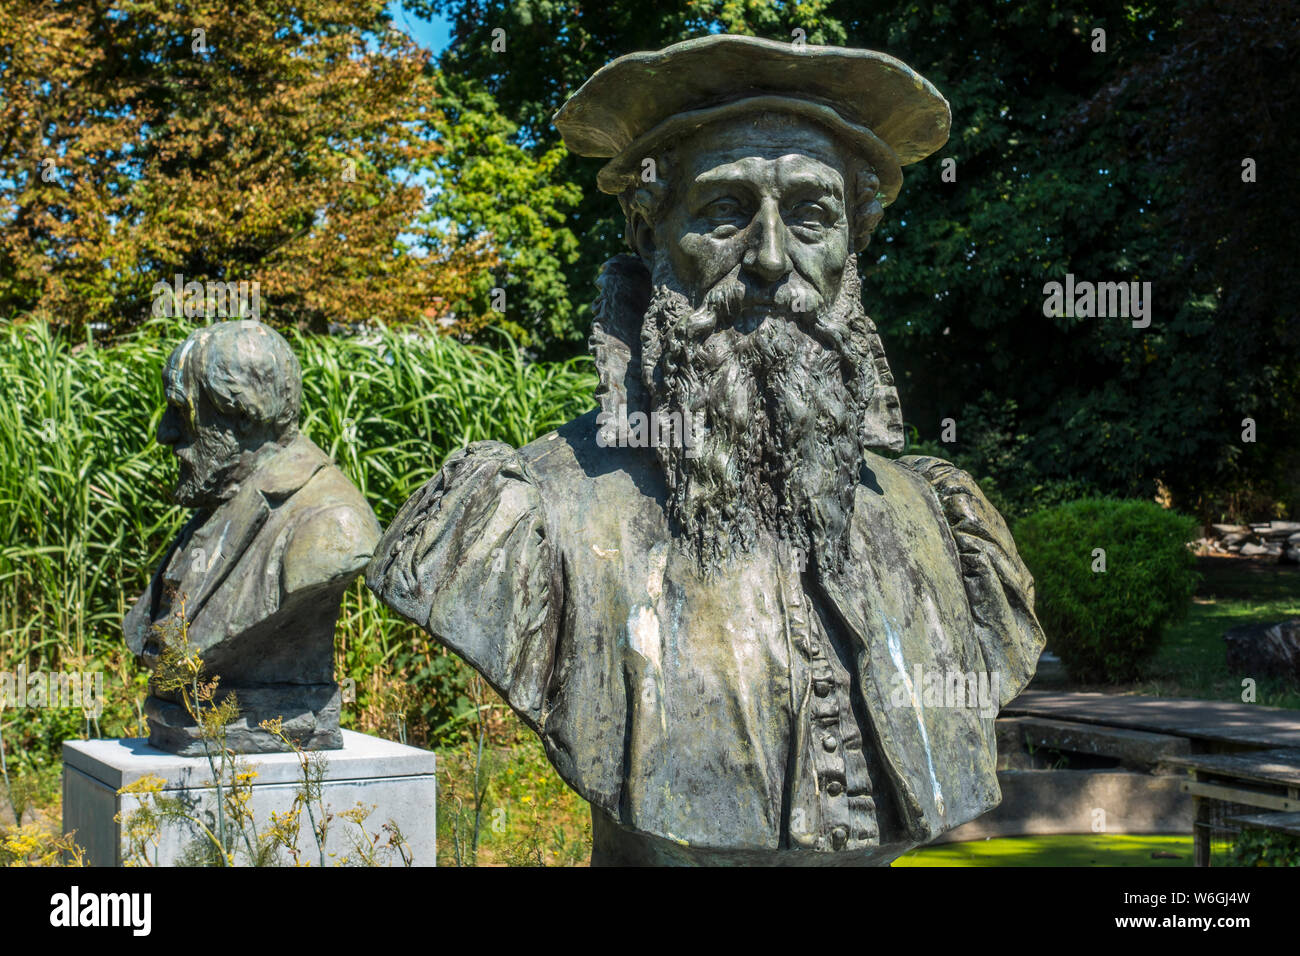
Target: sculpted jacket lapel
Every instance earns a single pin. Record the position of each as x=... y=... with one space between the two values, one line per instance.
x=232 y=529
x=939 y=759
x=900 y=743
x=145 y=611
x=242 y=517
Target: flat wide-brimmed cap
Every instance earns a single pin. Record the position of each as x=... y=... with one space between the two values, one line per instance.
x=876 y=104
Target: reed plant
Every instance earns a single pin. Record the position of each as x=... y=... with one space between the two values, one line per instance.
x=86 y=514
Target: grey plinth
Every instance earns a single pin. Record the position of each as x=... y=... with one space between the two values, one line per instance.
x=395 y=780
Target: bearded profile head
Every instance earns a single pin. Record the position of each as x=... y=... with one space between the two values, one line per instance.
x=233 y=393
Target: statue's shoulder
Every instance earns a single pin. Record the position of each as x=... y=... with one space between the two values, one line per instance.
x=998 y=585
x=920 y=474
x=571 y=462
x=329 y=543
x=964 y=503
x=469 y=559
x=329 y=528
x=483 y=492
x=559 y=455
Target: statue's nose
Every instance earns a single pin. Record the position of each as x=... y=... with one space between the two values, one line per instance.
x=169 y=432
x=766 y=256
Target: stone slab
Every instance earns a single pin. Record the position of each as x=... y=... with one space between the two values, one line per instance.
x=396 y=780
x=1135 y=749
x=1036 y=802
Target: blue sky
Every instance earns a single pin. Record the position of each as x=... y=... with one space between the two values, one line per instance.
x=433 y=36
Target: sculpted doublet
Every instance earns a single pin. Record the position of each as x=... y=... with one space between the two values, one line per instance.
x=758 y=705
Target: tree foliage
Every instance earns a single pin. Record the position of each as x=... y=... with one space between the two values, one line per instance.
x=1114 y=163
x=133 y=152
x=486 y=188
x=262 y=141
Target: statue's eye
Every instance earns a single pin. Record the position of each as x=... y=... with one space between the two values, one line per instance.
x=724 y=210
x=810 y=214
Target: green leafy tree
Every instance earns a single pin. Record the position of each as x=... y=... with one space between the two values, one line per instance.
x=486 y=188
x=274 y=142
x=1117 y=160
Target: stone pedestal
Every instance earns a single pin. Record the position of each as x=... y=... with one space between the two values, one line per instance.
x=393 y=781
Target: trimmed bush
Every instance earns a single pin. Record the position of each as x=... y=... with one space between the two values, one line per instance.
x=1105 y=624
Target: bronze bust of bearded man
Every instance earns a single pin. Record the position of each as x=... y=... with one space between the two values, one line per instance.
x=721 y=634
x=257 y=574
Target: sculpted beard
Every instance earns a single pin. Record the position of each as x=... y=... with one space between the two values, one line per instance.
x=781 y=410
x=206 y=467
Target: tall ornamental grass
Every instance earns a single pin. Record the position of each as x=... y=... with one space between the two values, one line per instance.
x=86 y=512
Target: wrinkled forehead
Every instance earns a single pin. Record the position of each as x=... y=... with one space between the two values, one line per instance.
x=761 y=144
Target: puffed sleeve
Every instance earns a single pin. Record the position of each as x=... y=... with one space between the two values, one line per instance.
x=998 y=585
x=468 y=559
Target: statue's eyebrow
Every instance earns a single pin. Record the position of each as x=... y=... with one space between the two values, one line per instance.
x=814 y=180
x=806 y=179
x=721 y=177
x=174 y=389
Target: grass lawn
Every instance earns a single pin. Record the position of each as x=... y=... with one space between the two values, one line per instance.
x=1068 y=849
x=526 y=815
x=1191 y=660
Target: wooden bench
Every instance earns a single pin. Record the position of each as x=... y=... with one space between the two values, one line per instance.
x=1268 y=779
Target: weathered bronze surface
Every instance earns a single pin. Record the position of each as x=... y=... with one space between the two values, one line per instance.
x=277 y=535
x=739 y=632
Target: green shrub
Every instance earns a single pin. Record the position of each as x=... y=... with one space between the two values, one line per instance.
x=1105 y=624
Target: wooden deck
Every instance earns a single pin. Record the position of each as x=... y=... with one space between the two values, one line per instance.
x=1288 y=823
x=1243 y=726
x=1243 y=754
x=1280 y=767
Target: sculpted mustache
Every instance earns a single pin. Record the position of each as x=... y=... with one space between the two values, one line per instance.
x=727 y=300
x=730 y=297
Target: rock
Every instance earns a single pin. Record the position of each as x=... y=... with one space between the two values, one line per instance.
x=1292 y=554
x=1252 y=550
x=1265 y=649
x=1278 y=530
x=1294 y=540
x=1235 y=537
x=1223 y=530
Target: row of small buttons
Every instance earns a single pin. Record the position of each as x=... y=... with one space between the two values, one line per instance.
x=845 y=816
